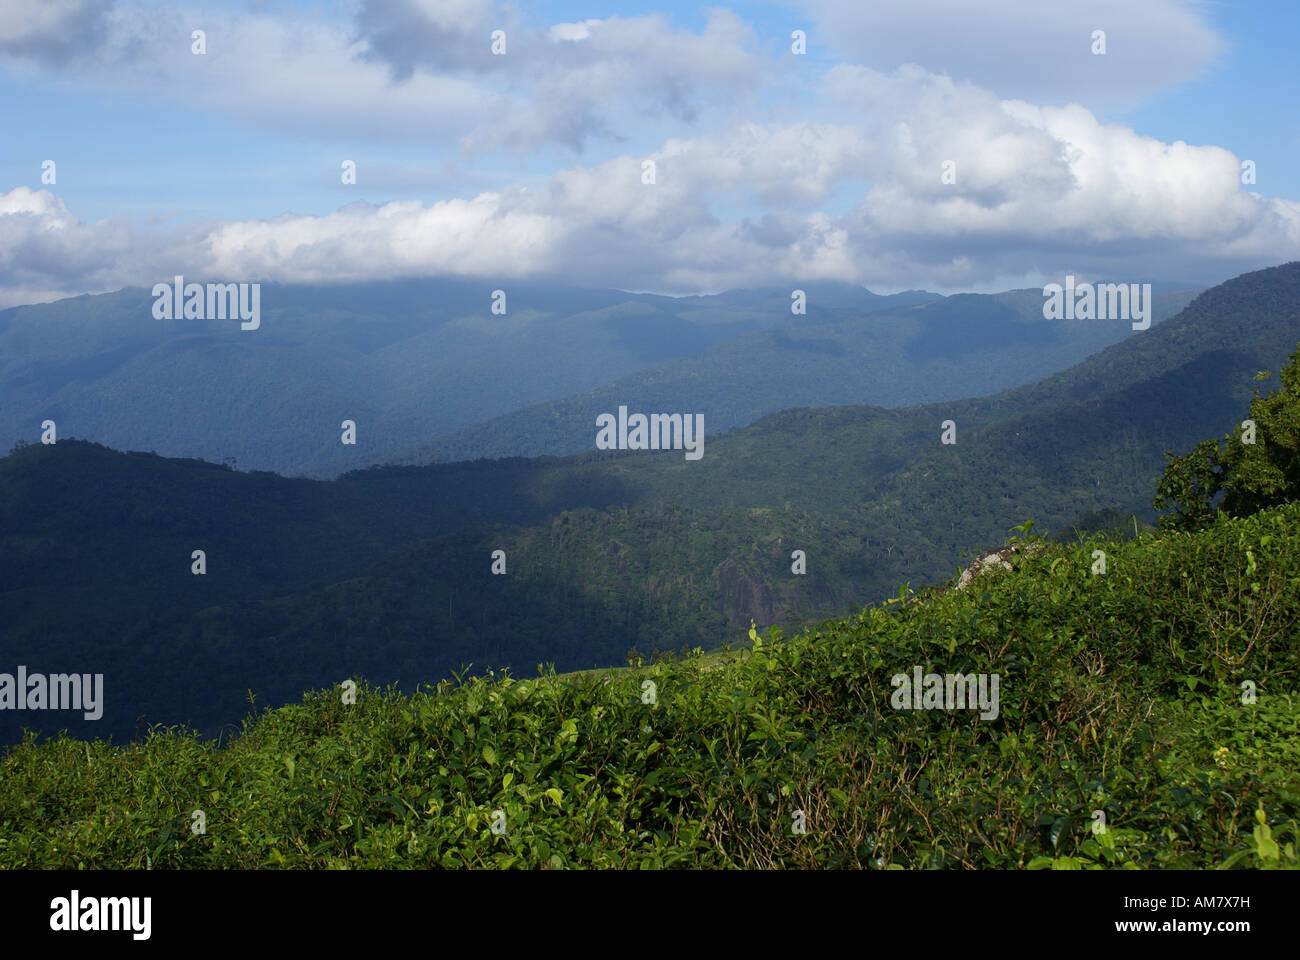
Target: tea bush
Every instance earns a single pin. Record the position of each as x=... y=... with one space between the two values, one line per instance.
x=1126 y=693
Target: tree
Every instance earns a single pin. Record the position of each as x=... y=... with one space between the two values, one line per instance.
x=1248 y=476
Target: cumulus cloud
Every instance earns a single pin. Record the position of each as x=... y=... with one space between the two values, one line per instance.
x=423 y=71
x=1038 y=187
x=1039 y=190
x=46 y=253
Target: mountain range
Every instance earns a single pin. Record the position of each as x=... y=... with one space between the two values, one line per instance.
x=428 y=373
x=387 y=573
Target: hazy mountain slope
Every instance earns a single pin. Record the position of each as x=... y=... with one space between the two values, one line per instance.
x=406 y=361
x=963 y=346
x=415 y=360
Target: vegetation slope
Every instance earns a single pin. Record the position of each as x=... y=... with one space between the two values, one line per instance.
x=1146 y=718
x=1119 y=692
x=385 y=573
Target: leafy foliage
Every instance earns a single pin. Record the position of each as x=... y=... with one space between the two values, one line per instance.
x=1119 y=692
x=1250 y=470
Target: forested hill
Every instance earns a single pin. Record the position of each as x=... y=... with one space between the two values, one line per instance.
x=405 y=359
x=386 y=573
x=416 y=361
x=962 y=346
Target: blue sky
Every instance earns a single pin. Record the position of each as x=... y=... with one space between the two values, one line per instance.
x=1247 y=100
x=823 y=166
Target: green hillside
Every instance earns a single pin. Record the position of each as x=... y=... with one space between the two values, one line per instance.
x=1120 y=692
x=385 y=573
x=1096 y=704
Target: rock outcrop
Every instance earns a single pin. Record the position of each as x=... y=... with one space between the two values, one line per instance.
x=996 y=559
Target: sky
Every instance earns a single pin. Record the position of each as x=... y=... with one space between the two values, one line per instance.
x=931 y=144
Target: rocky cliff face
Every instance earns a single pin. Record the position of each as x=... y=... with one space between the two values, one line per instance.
x=999 y=558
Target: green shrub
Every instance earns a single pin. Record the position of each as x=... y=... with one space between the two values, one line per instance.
x=1120 y=692
x=1249 y=473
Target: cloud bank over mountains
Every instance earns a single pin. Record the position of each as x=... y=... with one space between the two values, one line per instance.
x=768 y=167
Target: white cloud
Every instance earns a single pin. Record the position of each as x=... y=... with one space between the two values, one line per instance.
x=572 y=31
x=46 y=253
x=617 y=73
x=1029 y=49
x=488 y=235
x=418 y=71
x=1043 y=184
x=1040 y=190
